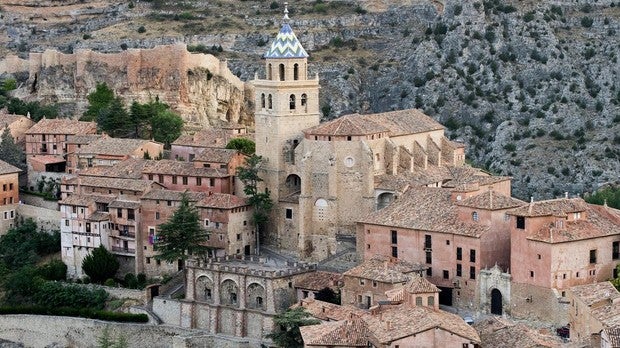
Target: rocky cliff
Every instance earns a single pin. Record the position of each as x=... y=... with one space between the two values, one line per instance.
x=532 y=87
x=199 y=86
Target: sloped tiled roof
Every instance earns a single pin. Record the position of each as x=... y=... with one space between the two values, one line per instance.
x=172 y=167
x=383 y=269
x=425 y=209
x=553 y=207
x=6 y=168
x=83 y=138
x=286 y=45
x=210 y=137
x=387 y=323
x=328 y=311
x=216 y=155
x=415 y=285
x=130 y=168
x=7 y=119
x=319 y=280
x=491 y=200
x=222 y=201
x=614 y=336
x=99 y=216
x=78 y=200
x=116 y=183
x=125 y=204
x=174 y=195
x=499 y=332
x=62 y=126
x=604 y=302
x=113 y=147
x=347 y=125
x=403 y=122
x=344 y=333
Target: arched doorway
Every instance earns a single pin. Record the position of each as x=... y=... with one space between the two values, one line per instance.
x=496 y=302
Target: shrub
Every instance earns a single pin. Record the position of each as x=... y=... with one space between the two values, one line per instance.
x=141 y=29
x=458 y=9
x=100 y=265
x=131 y=281
x=56 y=294
x=510 y=147
x=54 y=270
x=586 y=22
x=274 y=5
x=77 y=312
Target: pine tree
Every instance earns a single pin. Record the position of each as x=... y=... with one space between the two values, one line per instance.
x=98 y=100
x=182 y=236
x=100 y=265
x=10 y=152
x=289 y=322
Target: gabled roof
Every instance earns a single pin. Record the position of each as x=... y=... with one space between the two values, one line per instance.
x=82 y=139
x=500 y=332
x=130 y=168
x=388 y=323
x=604 y=302
x=327 y=311
x=116 y=183
x=286 y=45
x=8 y=119
x=222 y=201
x=319 y=280
x=170 y=195
x=491 y=200
x=343 y=333
x=347 y=125
x=553 y=207
x=383 y=269
x=403 y=122
x=113 y=147
x=172 y=167
x=415 y=285
x=62 y=126
x=6 y=168
x=216 y=155
x=425 y=209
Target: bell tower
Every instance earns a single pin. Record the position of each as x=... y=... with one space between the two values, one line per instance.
x=287 y=102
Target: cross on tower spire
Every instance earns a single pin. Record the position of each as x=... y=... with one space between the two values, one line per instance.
x=286 y=19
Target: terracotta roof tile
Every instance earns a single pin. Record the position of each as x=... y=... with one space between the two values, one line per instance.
x=211 y=137
x=425 y=209
x=83 y=138
x=403 y=122
x=125 y=204
x=116 y=183
x=345 y=333
x=216 y=155
x=328 y=311
x=130 y=168
x=62 y=126
x=604 y=302
x=78 y=200
x=319 y=280
x=499 y=332
x=99 y=216
x=347 y=125
x=7 y=119
x=172 y=167
x=415 y=285
x=170 y=195
x=553 y=207
x=491 y=200
x=222 y=201
x=114 y=147
x=385 y=270
x=391 y=322
x=6 y=168
x=614 y=336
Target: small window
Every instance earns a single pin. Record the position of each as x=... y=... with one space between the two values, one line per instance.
x=593 y=256
x=521 y=222
x=262 y=100
x=368 y=246
x=446 y=274
x=184 y=180
x=459 y=253
x=429 y=272
x=157 y=215
x=292 y=102
x=472 y=272
x=269 y=102
x=429 y=257
x=615 y=250
x=233 y=298
x=430 y=301
x=362 y=282
x=174 y=179
x=289 y=213
x=394 y=237
x=395 y=251
x=474 y=216
x=472 y=255
x=304 y=99
x=418 y=301
x=531 y=274
x=198 y=181
x=459 y=270
x=447 y=242
x=238 y=236
x=374 y=284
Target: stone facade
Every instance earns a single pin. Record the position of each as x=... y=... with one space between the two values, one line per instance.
x=9 y=195
x=234 y=296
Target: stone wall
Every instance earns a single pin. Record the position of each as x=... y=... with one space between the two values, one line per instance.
x=38 y=201
x=538 y=303
x=46 y=219
x=44 y=331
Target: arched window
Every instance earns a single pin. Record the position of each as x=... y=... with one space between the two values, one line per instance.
x=418 y=301
x=320 y=209
x=304 y=99
x=474 y=216
x=296 y=72
x=262 y=100
x=292 y=102
x=281 y=72
x=270 y=102
x=269 y=72
x=431 y=301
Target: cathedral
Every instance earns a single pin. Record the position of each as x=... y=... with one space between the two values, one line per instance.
x=324 y=177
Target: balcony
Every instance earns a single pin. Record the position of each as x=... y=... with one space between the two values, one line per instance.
x=127 y=234
x=121 y=250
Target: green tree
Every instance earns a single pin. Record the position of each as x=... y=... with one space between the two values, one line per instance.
x=100 y=265
x=10 y=152
x=98 y=100
x=21 y=285
x=166 y=127
x=20 y=246
x=260 y=201
x=616 y=281
x=611 y=195
x=53 y=270
x=182 y=236
x=142 y=114
x=289 y=323
x=115 y=120
x=245 y=146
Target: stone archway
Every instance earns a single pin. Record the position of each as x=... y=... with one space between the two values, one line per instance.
x=496 y=302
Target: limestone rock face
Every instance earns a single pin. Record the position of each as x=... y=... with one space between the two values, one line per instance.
x=198 y=86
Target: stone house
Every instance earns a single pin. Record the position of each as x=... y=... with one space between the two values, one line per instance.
x=308 y=286
x=74 y=143
x=233 y=296
x=226 y=219
x=9 y=196
x=454 y=237
x=188 y=146
x=227 y=159
x=46 y=142
x=557 y=244
x=108 y=151
x=179 y=176
x=18 y=125
x=593 y=309
x=416 y=292
x=365 y=285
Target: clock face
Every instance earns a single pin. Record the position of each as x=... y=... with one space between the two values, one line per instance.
x=349 y=161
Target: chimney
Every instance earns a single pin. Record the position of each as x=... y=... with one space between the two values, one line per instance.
x=566 y=195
